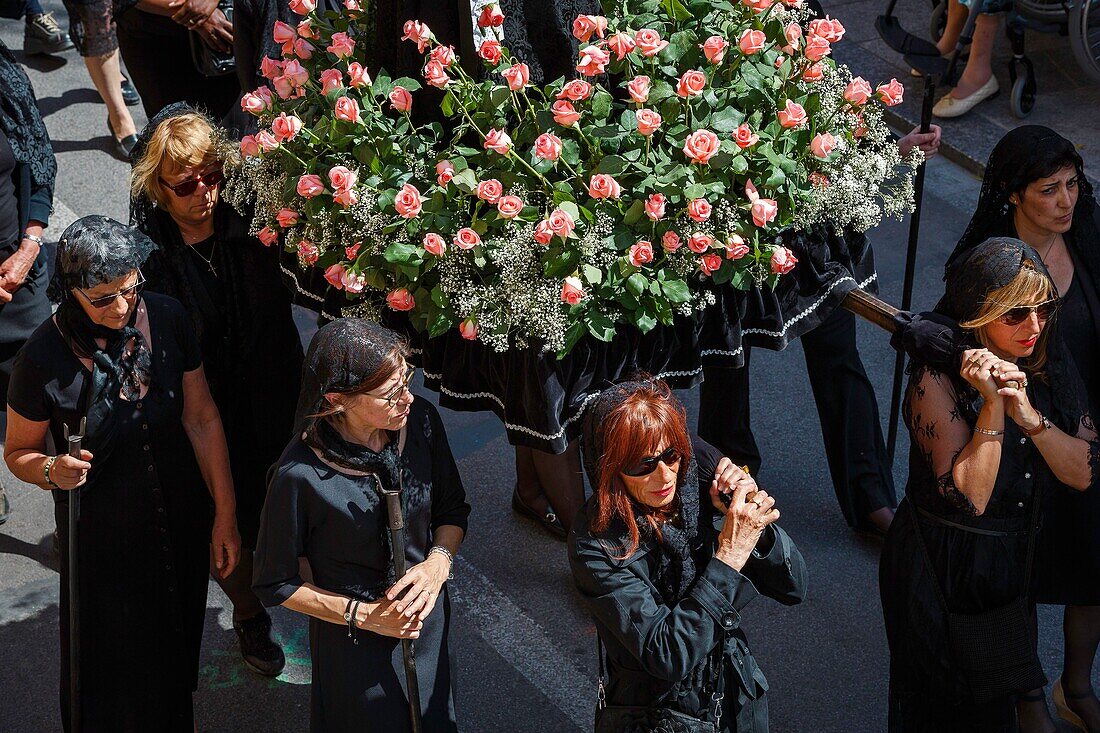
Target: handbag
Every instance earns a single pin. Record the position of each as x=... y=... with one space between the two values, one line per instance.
x=208 y=61
x=995 y=650
x=653 y=718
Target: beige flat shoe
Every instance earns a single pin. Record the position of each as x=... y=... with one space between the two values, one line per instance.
x=949 y=107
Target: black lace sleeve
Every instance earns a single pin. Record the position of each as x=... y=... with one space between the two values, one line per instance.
x=1086 y=431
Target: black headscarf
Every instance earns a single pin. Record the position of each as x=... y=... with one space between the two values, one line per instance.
x=679 y=537
x=22 y=122
x=92 y=251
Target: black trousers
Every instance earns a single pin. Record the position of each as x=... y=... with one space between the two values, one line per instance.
x=846 y=407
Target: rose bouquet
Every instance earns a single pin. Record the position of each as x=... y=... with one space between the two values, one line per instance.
x=694 y=134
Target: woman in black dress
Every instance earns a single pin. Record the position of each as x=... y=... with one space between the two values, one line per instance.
x=230 y=285
x=361 y=431
x=1035 y=189
x=989 y=441
x=131 y=365
x=672 y=546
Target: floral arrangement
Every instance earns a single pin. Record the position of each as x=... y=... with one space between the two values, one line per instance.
x=695 y=133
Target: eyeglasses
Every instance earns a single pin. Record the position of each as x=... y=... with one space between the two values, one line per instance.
x=670 y=457
x=186 y=188
x=1019 y=314
x=108 y=300
x=399 y=390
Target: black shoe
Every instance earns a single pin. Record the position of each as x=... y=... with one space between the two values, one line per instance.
x=261 y=654
x=549 y=521
x=125 y=146
x=129 y=93
x=42 y=35
x=5 y=506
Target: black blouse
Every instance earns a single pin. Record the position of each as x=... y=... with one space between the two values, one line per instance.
x=9 y=207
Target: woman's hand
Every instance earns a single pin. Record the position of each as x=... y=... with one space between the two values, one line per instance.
x=190 y=13
x=217 y=32
x=14 y=271
x=225 y=543
x=422 y=585
x=977 y=369
x=383 y=618
x=928 y=142
x=68 y=472
x=726 y=477
x=751 y=511
x=1017 y=405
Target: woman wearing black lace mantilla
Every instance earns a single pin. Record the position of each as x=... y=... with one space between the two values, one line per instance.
x=988 y=443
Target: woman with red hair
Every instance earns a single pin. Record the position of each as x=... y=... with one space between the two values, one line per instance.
x=673 y=544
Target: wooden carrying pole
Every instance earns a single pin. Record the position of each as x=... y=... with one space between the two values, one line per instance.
x=870 y=308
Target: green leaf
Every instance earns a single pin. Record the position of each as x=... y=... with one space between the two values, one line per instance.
x=592 y=275
x=636 y=284
x=400 y=253
x=695 y=191
x=465 y=180
x=601 y=105
x=449 y=104
x=571 y=152
x=612 y=165
x=739 y=165
x=573 y=334
x=570 y=208
x=634 y=213
x=644 y=321
x=675 y=10
x=726 y=119
x=409 y=83
x=563 y=265
x=676 y=291
x=600 y=325
x=499 y=96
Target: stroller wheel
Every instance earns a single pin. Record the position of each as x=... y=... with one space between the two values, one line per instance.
x=1022 y=99
x=938 y=20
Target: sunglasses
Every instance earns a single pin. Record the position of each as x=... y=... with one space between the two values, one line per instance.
x=399 y=390
x=669 y=457
x=186 y=188
x=108 y=300
x=1019 y=314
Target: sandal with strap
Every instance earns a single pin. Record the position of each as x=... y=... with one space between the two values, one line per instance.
x=549 y=520
x=1061 y=705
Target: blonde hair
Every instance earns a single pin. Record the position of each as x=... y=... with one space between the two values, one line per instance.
x=184 y=141
x=1030 y=287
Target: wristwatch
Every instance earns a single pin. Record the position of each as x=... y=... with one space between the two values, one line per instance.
x=1044 y=424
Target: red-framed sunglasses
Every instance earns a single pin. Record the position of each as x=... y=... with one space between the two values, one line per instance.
x=186 y=188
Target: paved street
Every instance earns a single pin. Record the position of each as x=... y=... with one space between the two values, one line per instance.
x=525 y=650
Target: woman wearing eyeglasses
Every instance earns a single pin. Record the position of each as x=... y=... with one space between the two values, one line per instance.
x=361 y=432
x=153 y=448
x=229 y=283
x=989 y=441
x=672 y=546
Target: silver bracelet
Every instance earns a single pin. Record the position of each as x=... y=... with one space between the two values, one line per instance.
x=441 y=550
x=34 y=238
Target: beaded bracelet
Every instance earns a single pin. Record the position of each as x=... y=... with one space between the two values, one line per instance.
x=441 y=550
x=985 y=431
x=46 y=471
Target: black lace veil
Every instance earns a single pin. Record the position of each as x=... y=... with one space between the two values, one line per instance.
x=22 y=122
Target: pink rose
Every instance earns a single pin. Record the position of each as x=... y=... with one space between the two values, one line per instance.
x=792 y=115
x=347 y=109
x=692 y=84
x=827 y=28
x=353 y=251
x=572 y=290
x=543 y=232
x=267 y=236
x=891 y=94
x=714 y=48
x=286 y=127
x=759 y=5
x=305 y=29
x=822 y=144
x=517 y=76
x=783 y=261
x=585 y=25
x=466 y=238
x=295 y=74
x=576 y=90
x=249 y=147
x=353 y=5
x=353 y=283
x=254 y=103
x=593 y=61
x=699 y=209
x=564 y=113
x=638 y=87
x=400 y=300
x=649 y=42
x=498 y=141
x=310 y=186
x=269 y=69
x=860 y=128
x=736 y=248
x=489 y=190
x=763 y=210
x=817 y=48
x=490 y=17
x=303 y=7
x=468 y=329
x=548 y=146
x=331 y=80
x=793 y=34
x=284 y=35
x=858 y=91
x=671 y=241
x=341 y=178
x=655 y=206
x=701 y=146
x=346 y=198
x=287 y=217
x=342 y=46
x=744 y=136
x=709 y=264
x=401 y=99
x=510 y=206
x=357 y=75
x=648 y=122
x=418 y=33
x=434 y=244
x=641 y=253
x=813 y=72
x=308 y=252
x=621 y=44
x=751 y=42
x=334 y=274
x=303 y=49
x=561 y=223
x=436 y=75
x=490 y=51
x=444 y=172
x=266 y=141
x=408 y=201
x=603 y=186
x=700 y=243
x=443 y=55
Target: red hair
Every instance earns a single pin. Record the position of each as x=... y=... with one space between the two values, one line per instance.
x=649 y=420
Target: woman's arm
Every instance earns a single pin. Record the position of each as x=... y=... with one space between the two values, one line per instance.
x=203 y=426
x=25 y=454
x=379 y=617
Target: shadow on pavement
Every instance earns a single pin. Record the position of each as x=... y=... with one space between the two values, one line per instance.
x=49 y=105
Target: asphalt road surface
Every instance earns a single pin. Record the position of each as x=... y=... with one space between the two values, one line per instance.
x=525 y=650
